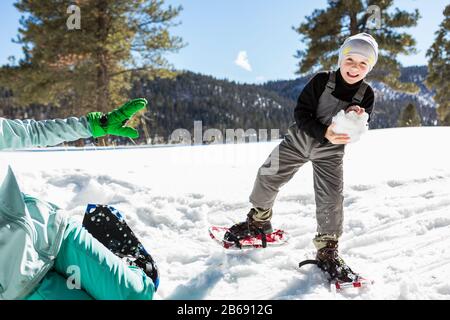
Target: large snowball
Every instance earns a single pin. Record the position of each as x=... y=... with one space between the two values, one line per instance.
x=351 y=123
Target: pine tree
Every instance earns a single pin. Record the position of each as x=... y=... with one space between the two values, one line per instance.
x=409 y=117
x=326 y=29
x=89 y=69
x=439 y=69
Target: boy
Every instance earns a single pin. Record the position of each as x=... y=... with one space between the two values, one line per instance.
x=311 y=138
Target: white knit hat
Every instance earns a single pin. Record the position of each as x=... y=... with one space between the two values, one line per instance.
x=363 y=44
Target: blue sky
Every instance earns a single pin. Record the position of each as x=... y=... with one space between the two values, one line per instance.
x=258 y=31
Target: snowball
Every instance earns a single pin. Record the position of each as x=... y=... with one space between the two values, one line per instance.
x=351 y=123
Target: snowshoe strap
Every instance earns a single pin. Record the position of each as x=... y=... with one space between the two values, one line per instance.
x=263 y=237
x=238 y=244
x=305 y=262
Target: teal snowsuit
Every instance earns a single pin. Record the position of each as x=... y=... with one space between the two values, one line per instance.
x=41 y=249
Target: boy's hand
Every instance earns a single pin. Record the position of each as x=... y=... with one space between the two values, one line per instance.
x=336 y=138
x=359 y=111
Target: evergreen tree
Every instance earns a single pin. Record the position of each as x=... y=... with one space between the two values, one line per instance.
x=439 y=68
x=89 y=68
x=409 y=117
x=326 y=29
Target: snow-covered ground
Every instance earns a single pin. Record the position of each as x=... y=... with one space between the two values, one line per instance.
x=397 y=213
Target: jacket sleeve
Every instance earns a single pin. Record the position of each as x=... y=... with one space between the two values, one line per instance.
x=16 y=134
x=368 y=102
x=305 y=112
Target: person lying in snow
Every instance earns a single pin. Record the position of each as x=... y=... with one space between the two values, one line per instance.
x=39 y=244
x=312 y=138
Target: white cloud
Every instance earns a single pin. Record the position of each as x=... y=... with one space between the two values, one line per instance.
x=242 y=61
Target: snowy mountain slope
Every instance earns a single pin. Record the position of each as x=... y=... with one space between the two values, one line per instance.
x=383 y=93
x=397 y=213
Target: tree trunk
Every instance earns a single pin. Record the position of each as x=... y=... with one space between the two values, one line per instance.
x=102 y=94
x=353 y=23
x=102 y=85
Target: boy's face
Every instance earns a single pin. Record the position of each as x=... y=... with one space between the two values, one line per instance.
x=354 y=68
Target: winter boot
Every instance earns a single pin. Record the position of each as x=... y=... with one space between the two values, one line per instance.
x=329 y=261
x=252 y=227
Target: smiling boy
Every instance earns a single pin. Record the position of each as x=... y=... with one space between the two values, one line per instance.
x=311 y=138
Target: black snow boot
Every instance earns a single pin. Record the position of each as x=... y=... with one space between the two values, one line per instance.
x=329 y=261
x=248 y=228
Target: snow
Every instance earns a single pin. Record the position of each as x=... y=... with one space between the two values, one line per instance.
x=397 y=222
x=351 y=123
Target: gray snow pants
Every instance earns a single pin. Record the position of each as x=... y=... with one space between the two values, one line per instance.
x=295 y=150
